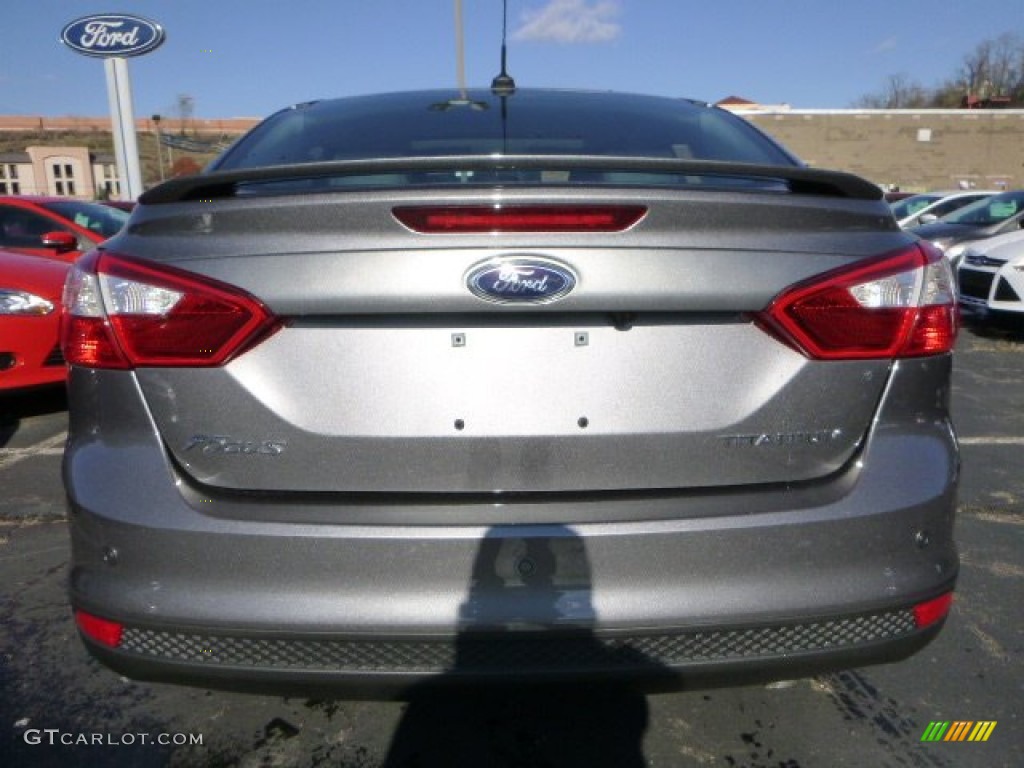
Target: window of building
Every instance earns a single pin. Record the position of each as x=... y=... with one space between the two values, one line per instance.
x=9 y=184
x=108 y=184
x=63 y=179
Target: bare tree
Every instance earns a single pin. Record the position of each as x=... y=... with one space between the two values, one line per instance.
x=900 y=93
x=994 y=69
x=185 y=166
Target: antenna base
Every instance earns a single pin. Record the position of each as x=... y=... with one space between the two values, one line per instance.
x=503 y=85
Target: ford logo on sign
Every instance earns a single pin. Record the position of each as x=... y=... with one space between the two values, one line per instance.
x=112 y=34
x=521 y=280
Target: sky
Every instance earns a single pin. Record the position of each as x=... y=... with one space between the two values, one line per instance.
x=248 y=58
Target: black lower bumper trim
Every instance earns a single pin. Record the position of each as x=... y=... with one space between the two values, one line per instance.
x=494 y=651
x=390 y=666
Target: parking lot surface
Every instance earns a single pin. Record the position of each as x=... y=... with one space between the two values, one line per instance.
x=60 y=708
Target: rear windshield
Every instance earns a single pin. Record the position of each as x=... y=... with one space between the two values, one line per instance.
x=436 y=124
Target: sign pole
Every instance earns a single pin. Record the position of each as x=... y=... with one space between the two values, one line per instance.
x=122 y=120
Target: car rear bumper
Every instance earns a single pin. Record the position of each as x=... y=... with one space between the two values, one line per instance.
x=742 y=597
x=395 y=665
x=772 y=581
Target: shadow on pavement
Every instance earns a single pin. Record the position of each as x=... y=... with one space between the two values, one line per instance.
x=994 y=327
x=520 y=584
x=21 y=405
x=26 y=403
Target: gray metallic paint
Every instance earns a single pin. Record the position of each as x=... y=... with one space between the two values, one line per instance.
x=659 y=409
x=370 y=522
x=183 y=563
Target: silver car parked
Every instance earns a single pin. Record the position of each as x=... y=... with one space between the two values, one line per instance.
x=932 y=206
x=508 y=385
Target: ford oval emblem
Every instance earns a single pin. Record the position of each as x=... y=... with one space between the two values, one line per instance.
x=112 y=34
x=521 y=280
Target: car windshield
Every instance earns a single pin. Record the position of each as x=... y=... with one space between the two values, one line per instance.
x=101 y=219
x=436 y=124
x=991 y=210
x=908 y=206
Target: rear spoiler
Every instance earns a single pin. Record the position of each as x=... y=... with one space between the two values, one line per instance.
x=798 y=179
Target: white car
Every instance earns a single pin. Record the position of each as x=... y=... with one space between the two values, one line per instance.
x=932 y=206
x=992 y=276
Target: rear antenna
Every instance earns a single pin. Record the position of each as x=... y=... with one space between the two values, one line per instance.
x=503 y=84
x=460 y=52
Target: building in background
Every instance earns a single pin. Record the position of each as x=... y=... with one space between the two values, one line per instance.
x=60 y=171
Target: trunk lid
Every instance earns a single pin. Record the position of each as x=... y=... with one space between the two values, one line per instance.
x=391 y=376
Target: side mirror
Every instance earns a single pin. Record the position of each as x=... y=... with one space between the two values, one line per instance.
x=927 y=218
x=62 y=242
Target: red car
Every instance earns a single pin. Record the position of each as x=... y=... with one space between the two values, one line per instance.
x=57 y=227
x=30 y=310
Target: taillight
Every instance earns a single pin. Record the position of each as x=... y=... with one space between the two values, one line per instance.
x=494 y=219
x=900 y=305
x=121 y=313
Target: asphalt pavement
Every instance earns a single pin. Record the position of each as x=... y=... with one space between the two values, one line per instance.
x=58 y=707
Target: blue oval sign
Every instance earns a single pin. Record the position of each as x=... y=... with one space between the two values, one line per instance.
x=521 y=280
x=112 y=34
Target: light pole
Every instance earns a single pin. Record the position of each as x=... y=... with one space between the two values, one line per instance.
x=159 y=150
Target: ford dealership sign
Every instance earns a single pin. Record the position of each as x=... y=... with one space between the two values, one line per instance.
x=112 y=34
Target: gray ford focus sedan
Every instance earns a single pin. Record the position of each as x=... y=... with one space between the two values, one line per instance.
x=508 y=385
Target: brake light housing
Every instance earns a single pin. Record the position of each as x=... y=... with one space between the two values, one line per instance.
x=902 y=304
x=123 y=313
x=500 y=219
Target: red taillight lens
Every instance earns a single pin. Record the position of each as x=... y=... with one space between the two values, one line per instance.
x=900 y=305
x=927 y=613
x=121 y=313
x=103 y=631
x=464 y=219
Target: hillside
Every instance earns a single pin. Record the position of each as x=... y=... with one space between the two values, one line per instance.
x=102 y=142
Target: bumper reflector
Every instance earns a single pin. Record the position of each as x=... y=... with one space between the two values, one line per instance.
x=931 y=611
x=103 y=631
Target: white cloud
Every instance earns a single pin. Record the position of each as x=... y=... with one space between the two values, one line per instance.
x=571 y=21
x=889 y=44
